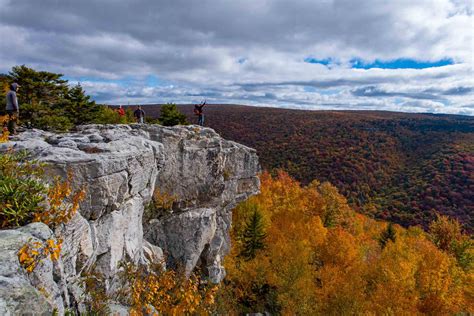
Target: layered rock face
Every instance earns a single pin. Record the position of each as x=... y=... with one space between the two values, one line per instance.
x=120 y=167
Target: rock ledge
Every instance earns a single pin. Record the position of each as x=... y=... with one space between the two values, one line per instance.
x=121 y=166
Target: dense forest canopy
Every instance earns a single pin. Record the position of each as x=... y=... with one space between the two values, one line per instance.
x=316 y=256
x=395 y=166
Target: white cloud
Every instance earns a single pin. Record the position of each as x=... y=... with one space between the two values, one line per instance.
x=196 y=46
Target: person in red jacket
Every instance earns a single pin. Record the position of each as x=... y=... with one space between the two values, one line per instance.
x=121 y=111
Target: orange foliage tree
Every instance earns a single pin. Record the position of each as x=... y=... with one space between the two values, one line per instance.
x=322 y=258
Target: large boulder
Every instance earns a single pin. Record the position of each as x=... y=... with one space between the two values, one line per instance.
x=22 y=293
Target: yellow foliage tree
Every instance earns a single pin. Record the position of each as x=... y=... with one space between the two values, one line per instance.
x=322 y=258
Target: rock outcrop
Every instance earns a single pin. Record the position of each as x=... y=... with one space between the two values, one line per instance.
x=120 y=167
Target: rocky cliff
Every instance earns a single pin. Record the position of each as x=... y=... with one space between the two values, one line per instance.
x=120 y=167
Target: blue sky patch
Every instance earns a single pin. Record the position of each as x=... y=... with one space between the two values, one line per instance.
x=400 y=63
x=324 y=61
x=321 y=91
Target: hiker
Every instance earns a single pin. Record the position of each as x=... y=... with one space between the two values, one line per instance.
x=198 y=111
x=121 y=111
x=12 y=108
x=139 y=115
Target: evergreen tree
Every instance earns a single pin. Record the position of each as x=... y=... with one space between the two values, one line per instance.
x=78 y=107
x=170 y=115
x=38 y=87
x=48 y=102
x=253 y=236
x=387 y=235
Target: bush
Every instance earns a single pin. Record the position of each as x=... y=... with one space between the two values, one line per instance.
x=107 y=115
x=151 y=289
x=33 y=252
x=170 y=115
x=3 y=126
x=54 y=123
x=161 y=204
x=25 y=198
x=21 y=192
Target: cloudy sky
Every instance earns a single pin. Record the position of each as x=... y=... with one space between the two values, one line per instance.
x=402 y=55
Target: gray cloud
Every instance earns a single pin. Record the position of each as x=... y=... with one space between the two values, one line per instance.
x=196 y=46
x=459 y=91
x=373 y=91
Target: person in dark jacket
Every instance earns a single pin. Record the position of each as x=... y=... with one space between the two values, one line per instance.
x=198 y=111
x=13 y=110
x=139 y=115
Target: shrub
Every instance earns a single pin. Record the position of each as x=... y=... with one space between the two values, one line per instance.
x=32 y=253
x=3 y=126
x=58 y=212
x=53 y=123
x=161 y=204
x=25 y=198
x=170 y=115
x=107 y=115
x=151 y=289
x=96 y=298
x=21 y=192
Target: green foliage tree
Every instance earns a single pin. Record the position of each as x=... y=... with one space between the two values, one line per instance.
x=78 y=106
x=48 y=102
x=170 y=115
x=387 y=235
x=253 y=236
x=38 y=87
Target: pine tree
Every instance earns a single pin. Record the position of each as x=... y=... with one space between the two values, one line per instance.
x=253 y=236
x=387 y=235
x=38 y=86
x=78 y=107
x=170 y=115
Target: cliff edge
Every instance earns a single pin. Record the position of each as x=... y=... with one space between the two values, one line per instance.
x=121 y=167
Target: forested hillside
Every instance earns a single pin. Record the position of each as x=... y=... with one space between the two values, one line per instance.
x=396 y=166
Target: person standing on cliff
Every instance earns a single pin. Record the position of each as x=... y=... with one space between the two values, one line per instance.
x=13 y=110
x=121 y=111
x=198 y=111
x=139 y=115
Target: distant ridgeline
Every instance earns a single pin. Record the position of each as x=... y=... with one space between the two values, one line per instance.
x=395 y=166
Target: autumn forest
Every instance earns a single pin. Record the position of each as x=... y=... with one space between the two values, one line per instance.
x=400 y=167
